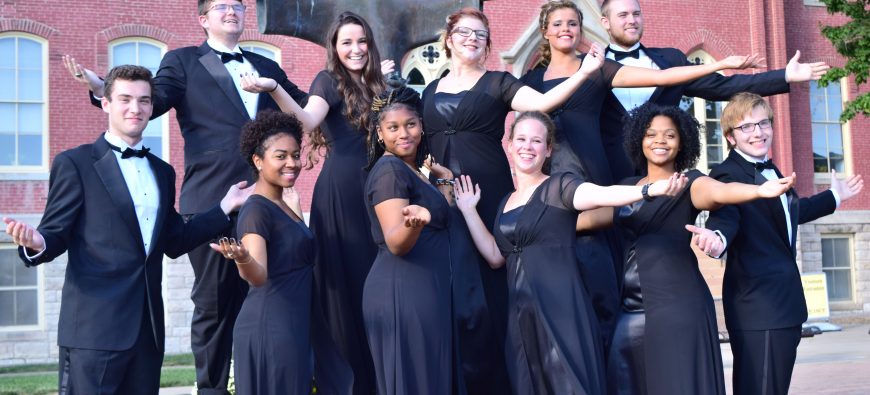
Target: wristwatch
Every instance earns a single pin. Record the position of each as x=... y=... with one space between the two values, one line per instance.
x=645 y=192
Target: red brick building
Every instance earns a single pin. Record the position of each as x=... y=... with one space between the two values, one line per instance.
x=43 y=112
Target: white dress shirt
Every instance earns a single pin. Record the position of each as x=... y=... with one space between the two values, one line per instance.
x=633 y=97
x=236 y=69
x=142 y=185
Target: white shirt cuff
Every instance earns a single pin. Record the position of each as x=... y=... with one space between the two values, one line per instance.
x=29 y=257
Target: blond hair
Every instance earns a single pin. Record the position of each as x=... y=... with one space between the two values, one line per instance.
x=737 y=108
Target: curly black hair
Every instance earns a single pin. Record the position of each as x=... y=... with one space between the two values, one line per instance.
x=638 y=121
x=257 y=133
x=396 y=96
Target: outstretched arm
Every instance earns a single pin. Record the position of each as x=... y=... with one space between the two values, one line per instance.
x=401 y=223
x=710 y=194
x=589 y=196
x=629 y=76
x=467 y=196
x=250 y=254
x=801 y=72
x=847 y=188
x=528 y=99
x=311 y=116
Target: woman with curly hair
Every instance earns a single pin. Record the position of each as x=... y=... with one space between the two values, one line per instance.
x=579 y=146
x=676 y=351
x=553 y=342
x=406 y=300
x=272 y=338
x=339 y=102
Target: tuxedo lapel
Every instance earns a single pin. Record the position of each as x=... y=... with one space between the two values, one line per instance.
x=218 y=71
x=106 y=167
x=774 y=205
x=164 y=185
x=663 y=63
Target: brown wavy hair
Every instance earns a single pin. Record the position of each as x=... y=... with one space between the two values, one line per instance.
x=357 y=94
x=547 y=9
x=454 y=18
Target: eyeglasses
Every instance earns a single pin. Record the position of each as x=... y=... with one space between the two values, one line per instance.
x=224 y=8
x=764 y=124
x=466 y=32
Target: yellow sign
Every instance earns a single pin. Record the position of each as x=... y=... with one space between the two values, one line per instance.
x=816 y=293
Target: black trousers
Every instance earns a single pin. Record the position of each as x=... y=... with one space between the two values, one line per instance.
x=218 y=293
x=764 y=360
x=92 y=372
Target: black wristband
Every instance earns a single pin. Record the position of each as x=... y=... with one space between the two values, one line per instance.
x=275 y=88
x=645 y=192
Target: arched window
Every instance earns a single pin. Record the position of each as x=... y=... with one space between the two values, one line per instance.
x=708 y=113
x=425 y=64
x=146 y=53
x=263 y=49
x=23 y=103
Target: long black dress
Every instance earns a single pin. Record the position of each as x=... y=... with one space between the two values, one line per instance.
x=406 y=300
x=465 y=134
x=553 y=342
x=271 y=344
x=680 y=344
x=579 y=149
x=340 y=225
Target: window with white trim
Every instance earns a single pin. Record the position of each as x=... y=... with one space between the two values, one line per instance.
x=826 y=105
x=263 y=49
x=708 y=114
x=146 y=53
x=19 y=291
x=23 y=103
x=837 y=265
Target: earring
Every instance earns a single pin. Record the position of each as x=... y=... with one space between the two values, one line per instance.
x=259 y=168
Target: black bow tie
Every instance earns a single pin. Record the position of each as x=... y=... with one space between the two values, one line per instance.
x=619 y=55
x=228 y=56
x=761 y=166
x=129 y=152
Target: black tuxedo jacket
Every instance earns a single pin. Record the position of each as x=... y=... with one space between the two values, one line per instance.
x=762 y=286
x=111 y=283
x=711 y=87
x=210 y=112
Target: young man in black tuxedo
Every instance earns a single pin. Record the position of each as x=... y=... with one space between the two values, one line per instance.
x=762 y=293
x=111 y=206
x=202 y=84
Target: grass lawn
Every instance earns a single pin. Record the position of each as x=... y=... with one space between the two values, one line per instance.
x=41 y=379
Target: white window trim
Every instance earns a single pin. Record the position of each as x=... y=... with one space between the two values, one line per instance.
x=164 y=119
x=851 y=240
x=846 y=129
x=41 y=168
x=700 y=107
x=40 y=298
x=266 y=46
x=430 y=71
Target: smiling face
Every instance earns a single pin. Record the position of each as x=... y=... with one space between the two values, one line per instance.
x=471 y=48
x=563 y=30
x=756 y=143
x=400 y=130
x=661 y=141
x=351 y=46
x=528 y=146
x=223 y=25
x=624 y=22
x=129 y=109
x=281 y=161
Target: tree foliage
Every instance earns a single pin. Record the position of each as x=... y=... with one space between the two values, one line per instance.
x=852 y=41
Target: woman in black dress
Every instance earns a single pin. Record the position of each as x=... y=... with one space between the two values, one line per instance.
x=676 y=351
x=272 y=337
x=339 y=102
x=579 y=147
x=465 y=114
x=406 y=300
x=553 y=342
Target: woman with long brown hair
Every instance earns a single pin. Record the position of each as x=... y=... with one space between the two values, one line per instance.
x=336 y=118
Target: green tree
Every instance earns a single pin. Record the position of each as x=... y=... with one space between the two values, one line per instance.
x=852 y=41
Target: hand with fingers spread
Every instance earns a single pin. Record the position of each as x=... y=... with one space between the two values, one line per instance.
x=741 y=62
x=253 y=83
x=800 y=72
x=774 y=188
x=83 y=75
x=387 y=66
x=230 y=248
x=848 y=188
x=24 y=235
x=467 y=193
x=416 y=216
x=706 y=240
x=669 y=187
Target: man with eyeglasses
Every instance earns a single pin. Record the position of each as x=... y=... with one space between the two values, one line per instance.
x=203 y=85
x=762 y=293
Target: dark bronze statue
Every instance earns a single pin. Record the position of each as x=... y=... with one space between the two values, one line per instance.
x=398 y=25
